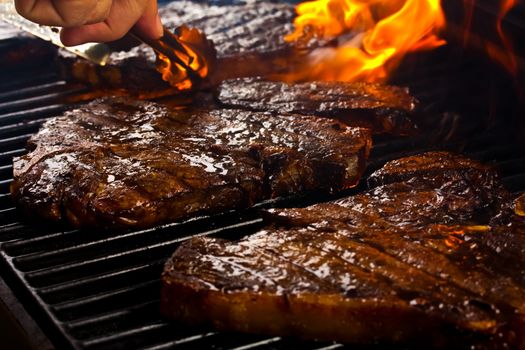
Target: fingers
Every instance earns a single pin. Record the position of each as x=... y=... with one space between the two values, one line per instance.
x=123 y=15
x=64 y=13
x=94 y=20
x=149 y=23
x=100 y=12
x=109 y=30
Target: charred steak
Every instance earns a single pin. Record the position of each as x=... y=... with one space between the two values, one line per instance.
x=118 y=162
x=403 y=262
x=383 y=108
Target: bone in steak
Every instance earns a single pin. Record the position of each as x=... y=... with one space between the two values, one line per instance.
x=383 y=108
x=405 y=262
x=246 y=37
x=118 y=162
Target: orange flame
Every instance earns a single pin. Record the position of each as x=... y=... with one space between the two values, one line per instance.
x=469 y=16
x=382 y=32
x=508 y=58
x=194 y=52
x=173 y=73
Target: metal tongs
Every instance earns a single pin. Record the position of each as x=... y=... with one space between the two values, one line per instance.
x=169 y=46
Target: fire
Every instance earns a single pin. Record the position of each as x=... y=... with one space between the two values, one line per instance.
x=508 y=59
x=498 y=46
x=190 y=50
x=372 y=36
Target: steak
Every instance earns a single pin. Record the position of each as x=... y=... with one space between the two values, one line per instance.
x=384 y=109
x=247 y=37
x=449 y=189
x=119 y=162
x=434 y=169
x=245 y=28
x=406 y=262
x=453 y=175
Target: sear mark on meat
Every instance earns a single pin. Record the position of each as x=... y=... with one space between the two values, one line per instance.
x=383 y=108
x=119 y=162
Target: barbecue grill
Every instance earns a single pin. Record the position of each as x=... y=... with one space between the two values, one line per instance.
x=99 y=289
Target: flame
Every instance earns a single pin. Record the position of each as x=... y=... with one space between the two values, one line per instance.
x=501 y=52
x=507 y=58
x=173 y=73
x=192 y=50
x=381 y=33
x=469 y=6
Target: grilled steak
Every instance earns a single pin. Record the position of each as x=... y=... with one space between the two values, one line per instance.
x=453 y=175
x=130 y=72
x=250 y=28
x=380 y=107
x=246 y=37
x=434 y=169
x=403 y=262
x=117 y=162
x=449 y=189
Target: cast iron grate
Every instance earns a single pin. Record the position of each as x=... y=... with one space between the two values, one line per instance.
x=100 y=288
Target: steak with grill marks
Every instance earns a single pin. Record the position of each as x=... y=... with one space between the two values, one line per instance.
x=118 y=162
x=405 y=262
x=248 y=39
x=384 y=109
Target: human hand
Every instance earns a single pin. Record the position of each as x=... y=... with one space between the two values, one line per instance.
x=94 y=20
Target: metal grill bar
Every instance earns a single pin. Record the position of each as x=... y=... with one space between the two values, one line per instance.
x=136 y=332
x=33 y=90
x=89 y=323
x=7 y=156
x=31 y=114
x=14 y=80
x=173 y=343
x=258 y=344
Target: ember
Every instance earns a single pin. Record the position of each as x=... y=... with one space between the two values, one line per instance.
x=372 y=35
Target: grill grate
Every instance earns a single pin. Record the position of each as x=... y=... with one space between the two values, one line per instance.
x=97 y=289
x=100 y=288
